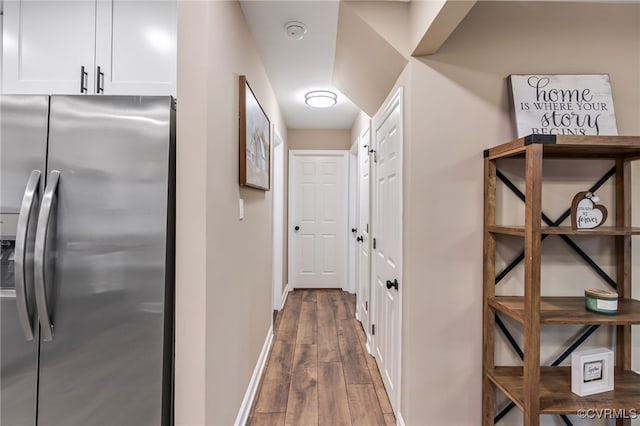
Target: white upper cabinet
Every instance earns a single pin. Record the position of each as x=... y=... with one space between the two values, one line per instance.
x=45 y=46
x=136 y=46
x=124 y=47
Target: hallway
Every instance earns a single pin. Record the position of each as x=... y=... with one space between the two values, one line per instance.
x=319 y=372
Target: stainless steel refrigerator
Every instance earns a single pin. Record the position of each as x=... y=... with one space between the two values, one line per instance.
x=87 y=230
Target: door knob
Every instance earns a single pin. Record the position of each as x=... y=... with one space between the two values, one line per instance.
x=393 y=284
x=297 y=228
x=360 y=239
x=354 y=230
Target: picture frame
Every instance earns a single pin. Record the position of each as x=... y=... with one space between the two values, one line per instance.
x=255 y=140
x=592 y=371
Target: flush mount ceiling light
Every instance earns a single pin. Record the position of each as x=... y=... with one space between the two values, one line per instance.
x=321 y=98
x=295 y=30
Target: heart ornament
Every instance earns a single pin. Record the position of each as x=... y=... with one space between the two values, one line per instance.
x=585 y=212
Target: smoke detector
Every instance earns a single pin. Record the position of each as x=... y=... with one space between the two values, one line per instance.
x=295 y=30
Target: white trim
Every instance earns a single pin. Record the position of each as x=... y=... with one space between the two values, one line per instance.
x=278 y=218
x=399 y=419
x=366 y=314
x=367 y=345
x=311 y=152
x=250 y=394
x=285 y=293
x=352 y=219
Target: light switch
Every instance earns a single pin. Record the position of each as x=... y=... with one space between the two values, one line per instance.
x=241 y=205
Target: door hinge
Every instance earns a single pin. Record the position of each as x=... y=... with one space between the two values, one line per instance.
x=374 y=243
x=373 y=329
x=367 y=228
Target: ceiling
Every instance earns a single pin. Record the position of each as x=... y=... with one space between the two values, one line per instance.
x=296 y=67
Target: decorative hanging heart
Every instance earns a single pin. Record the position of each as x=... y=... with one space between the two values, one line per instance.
x=585 y=213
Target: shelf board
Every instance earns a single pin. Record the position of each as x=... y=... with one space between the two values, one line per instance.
x=559 y=146
x=555 y=390
x=568 y=310
x=518 y=231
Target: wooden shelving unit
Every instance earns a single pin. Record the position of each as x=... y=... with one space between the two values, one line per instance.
x=533 y=388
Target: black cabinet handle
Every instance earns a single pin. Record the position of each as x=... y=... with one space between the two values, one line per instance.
x=393 y=284
x=360 y=239
x=99 y=81
x=83 y=78
x=297 y=228
x=354 y=230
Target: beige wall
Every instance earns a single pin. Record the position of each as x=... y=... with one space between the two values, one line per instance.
x=319 y=139
x=457 y=105
x=389 y=19
x=361 y=122
x=223 y=300
x=422 y=14
x=366 y=64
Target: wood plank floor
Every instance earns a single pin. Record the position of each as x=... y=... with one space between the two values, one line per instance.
x=319 y=371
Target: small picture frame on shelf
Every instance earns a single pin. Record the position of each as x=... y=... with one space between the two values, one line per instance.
x=592 y=371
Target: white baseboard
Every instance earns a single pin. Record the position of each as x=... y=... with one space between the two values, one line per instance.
x=250 y=394
x=285 y=293
x=399 y=420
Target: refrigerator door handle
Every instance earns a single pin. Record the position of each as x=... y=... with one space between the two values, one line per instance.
x=45 y=246
x=24 y=254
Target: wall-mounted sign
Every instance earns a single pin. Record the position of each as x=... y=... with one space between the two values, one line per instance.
x=562 y=104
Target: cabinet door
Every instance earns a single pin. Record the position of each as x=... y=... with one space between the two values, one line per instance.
x=45 y=45
x=136 y=47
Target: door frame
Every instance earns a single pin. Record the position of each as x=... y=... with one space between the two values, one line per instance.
x=309 y=152
x=352 y=222
x=278 y=220
x=380 y=116
x=364 y=139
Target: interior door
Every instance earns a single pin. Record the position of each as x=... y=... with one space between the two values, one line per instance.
x=46 y=44
x=136 y=47
x=23 y=132
x=318 y=219
x=387 y=250
x=364 y=241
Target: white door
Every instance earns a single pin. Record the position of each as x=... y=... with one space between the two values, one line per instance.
x=136 y=47
x=45 y=46
x=318 y=218
x=364 y=242
x=387 y=250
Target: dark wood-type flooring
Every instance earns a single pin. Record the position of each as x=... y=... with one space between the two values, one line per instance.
x=318 y=371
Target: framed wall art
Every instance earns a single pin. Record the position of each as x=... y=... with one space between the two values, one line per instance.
x=255 y=140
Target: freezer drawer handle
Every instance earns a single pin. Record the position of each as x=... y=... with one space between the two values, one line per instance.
x=45 y=238
x=25 y=237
